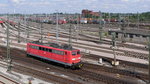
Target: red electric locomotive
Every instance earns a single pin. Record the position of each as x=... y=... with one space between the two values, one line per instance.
x=63 y=54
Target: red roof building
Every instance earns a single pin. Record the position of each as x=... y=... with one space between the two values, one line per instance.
x=88 y=13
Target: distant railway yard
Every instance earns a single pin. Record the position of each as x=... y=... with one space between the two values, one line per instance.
x=105 y=60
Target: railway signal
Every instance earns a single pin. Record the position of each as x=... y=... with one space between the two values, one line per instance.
x=113 y=39
x=122 y=25
x=115 y=62
x=113 y=46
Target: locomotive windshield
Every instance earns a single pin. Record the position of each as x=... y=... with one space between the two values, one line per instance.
x=74 y=52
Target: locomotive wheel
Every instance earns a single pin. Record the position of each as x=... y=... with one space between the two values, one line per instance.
x=28 y=55
x=73 y=67
x=66 y=66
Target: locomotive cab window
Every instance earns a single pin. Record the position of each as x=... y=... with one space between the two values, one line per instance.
x=34 y=47
x=58 y=52
x=49 y=50
x=74 y=53
x=40 y=48
x=43 y=49
x=46 y=49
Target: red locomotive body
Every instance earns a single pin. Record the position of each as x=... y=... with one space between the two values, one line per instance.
x=63 y=54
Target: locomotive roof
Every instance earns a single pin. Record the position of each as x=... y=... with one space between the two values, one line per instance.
x=55 y=45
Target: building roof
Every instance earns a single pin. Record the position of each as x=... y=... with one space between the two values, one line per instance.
x=90 y=12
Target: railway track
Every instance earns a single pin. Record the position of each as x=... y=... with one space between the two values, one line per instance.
x=5 y=80
x=103 y=79
x=40 y=65
x=38 y=72
x=24 y=65
x=92 y=39
x=96 y=40
x=66 y=35
x=116 y=70
x=134 y=64
x=122 y=63
x=43 y=75
x=130 y=54
x=109 y=50
x=89 y=74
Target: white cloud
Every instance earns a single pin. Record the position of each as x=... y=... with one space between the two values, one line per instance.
x=78 y=5
x=124 y=0
x=3 y=5
x=132 y=0
x=145 y=6
x=114 y=5
x=36 y=3
x=17 y=1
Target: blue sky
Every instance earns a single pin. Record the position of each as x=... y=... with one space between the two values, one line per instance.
x=74 y=6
